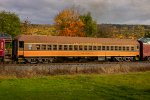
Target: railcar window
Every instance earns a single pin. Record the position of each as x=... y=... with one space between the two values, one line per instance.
x=43 y=47
x=65 y=47
x=80 y=47
x=112 y=47
x=38 y=47
x=127 y=48
x=60 y=47
x=137 y=47
x=124 y=48
x=29 y=46
x=85 y=47
x=99 y=48
x=54 y=47
x=103 y=47
x=120 y=48
x=21 y=44
x=49 y=47
x=90 y=47
x=94 y=47
x=75 y=47
x=132 y=48
x=107 y=47
x=116 y=47
x=70 y=47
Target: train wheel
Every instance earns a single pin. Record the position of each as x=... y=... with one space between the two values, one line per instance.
x=128 y=59
x=148 y=58
x=119 y=59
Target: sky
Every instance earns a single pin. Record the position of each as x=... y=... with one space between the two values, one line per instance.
x=102 y=11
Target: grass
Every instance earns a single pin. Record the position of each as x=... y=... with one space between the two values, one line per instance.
x=131 y=86
x=34 y=71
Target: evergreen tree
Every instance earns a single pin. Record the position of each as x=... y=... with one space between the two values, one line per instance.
x=90 y=25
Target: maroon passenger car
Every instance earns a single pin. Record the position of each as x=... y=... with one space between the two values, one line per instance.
x=144 y=48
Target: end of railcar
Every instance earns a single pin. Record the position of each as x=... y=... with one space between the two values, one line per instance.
x=144 y=48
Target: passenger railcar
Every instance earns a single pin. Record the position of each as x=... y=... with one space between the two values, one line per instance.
x=31 y=48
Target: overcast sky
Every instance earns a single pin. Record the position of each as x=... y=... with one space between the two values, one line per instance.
x=103 y=11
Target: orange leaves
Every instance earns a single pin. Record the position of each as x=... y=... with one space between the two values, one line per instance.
x=68 y=23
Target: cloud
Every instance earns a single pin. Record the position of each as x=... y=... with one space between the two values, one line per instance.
x=118 y=11
x=103 y=11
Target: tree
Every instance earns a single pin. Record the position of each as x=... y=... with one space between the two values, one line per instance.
x=90 y=27
x=26 y=24
x=139 y=31
x=68 y=23
x=9 y=23
x=147 y=34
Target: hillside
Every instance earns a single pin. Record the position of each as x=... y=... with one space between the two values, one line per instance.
x=103 y=30
x=39 y=29
x=123 y=31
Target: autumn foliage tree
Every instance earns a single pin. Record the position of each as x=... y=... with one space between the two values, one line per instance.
x=68 y=23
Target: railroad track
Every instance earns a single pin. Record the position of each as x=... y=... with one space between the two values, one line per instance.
x=79 y=64
x=21 y=70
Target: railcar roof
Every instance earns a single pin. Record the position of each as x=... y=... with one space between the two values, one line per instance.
x=74 y=40
x=145 y=40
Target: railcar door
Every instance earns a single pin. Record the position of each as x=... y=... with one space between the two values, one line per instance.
x=21 y=49
x=14 y=49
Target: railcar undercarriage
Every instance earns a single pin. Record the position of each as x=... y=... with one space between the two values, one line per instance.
x=74 y=59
